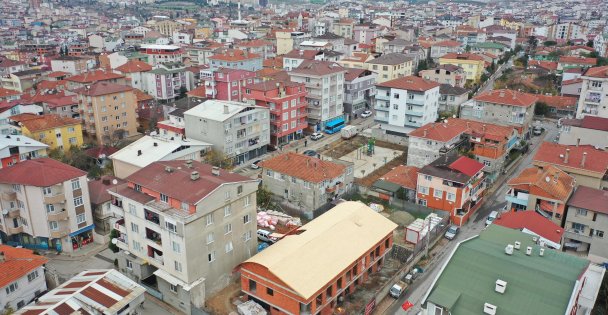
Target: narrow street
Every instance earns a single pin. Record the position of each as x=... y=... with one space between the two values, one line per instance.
x=494 y=201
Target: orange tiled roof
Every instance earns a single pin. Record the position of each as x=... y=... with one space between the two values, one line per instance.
x=141 y=95
x=549 y=182
x=304 y=167
x=578 y=60
x=94 y=76
x=553 y=153
x=447 y=43
x=507 y=97
x=597 y=72
x=18 y=262
x=445 y=131
x=44 y=122
x=234 y=55
x=411 y=83
x=6 y=92
x=549 y=65
x=403 y=175
x=134 y=66
x=198 y=92
x=563 y=102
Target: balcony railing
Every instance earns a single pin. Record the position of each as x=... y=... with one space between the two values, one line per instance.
x=152 y=217
x=58 y=198
x=59 y=233
x=9 y=195
x=13 y=213
x=58 y=216
x=15 y=230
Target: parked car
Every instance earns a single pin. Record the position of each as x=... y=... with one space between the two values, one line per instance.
x=316 y=136
x=397 y=289
x=265 y=236
x=493 y=215
x=310 y=152
x=452 y=231
x=255 y=165
x=366 y=114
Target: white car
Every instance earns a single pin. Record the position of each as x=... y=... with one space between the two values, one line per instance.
x=493 y=216
x=366 y=114
x=316 y=136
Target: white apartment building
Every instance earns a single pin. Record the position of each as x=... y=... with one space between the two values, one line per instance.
x=185 y=227
x=593 y=100
x=324 y=82
x=405 y=104
x=21 y=277
x=239 y=130
x=45 y=205
x=166 y=80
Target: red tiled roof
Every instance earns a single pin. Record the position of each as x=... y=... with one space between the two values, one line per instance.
x=302 y=54
x=18 y=262
x=177 y=184
x=578 y=60
x=234 y=55
x=198 y=92
x=50 y=85
x=466 y=166
x=61 y=101
x=410 y=83
x=507 y=97
x=103 y=88
x=94 y=76
x=597 y=72
x=532 y=221
x=440 y=132
x=6 y=92
x=572 y=81
x=464 y=56
x=134 y=66
x=590 y=198
x=318 y=68
x=593 y=122
x=56 y=74
x=48 y=172
x=560 y=102
x=141 y=96
x=596 y=161
x=403 y=175
x=35 y=123
x=447 y=43
x=549 y=182
x=304 y=167
x=548 y=65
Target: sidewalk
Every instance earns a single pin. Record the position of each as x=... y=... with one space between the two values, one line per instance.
x=78 y=255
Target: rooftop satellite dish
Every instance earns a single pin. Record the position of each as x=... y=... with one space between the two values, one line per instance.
x=547 y=179
x=114 y=181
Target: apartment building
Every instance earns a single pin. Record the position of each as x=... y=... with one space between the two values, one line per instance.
x=21 y=277
x=473 y=65
x=445 y=74
x=586 y=222
x=185 y=226
x=344 y=28
x=359 y=91
x=545 y=191
x=441 y=48
x=236 y=59
x=18 y=148
x=226 y=84
x=405 y=104
x=105 y=291
x=89 y=78
x=134 y=71
x=352 y=231
x=391 y=66
x=108 y=111
x=103 y=217
x=588 y=165
x=306 y=183
x=72 y=64
x=593 y=100
x=174 y=125
x=166 y=81
x=48 y=211
x=238 y=130
x=503 y=107
x=324 y=83
x=286 y=101
x=157 y=54
x=294 y=58
x=53 y=130
x=590 y=130
x=452 y=183
x=450 y=99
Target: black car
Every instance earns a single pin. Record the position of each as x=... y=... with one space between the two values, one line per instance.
x=310 y=152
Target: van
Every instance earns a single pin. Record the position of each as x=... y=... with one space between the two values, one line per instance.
x=538 y=130
x=493 y=215
x=265 y=236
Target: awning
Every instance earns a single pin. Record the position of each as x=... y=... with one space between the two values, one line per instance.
x=84 y=229
x=176 y=282
x=386 y=186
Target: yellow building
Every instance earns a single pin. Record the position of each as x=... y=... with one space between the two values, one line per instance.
x=391 y=66
x=284 y=42
x=357 y=60
x=55 y=131
x=472 y=64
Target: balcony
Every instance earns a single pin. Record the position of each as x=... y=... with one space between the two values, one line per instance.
x=9 y=195
x=13 y=213
x=156 y=255
x=58 y=198
x=154 y=237
x=59 y=233
x=578 y=235
x=152 y=217
x=414 y=113
x=57 y=216
x=15 y=230
x=590 y=111
x=122 y=243
x=119 y=225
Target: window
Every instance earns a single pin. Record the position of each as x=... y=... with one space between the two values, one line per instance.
x=596 y=84
x=173 y=288
x=72 y=140
x=599 y=233
x=50 y=208
x=451 y=197
x=171 y=227
x=247 y=236
x=269 y=291
x=81 y=218
x=246 y=219
x=134 y=227
x=47 y=191
x=423 y=190
x=581 y=212
x=396 y=95
x=137 y=246
x=227 y=210
x=32 y=276
x=75 y=184
x=129 y=265
x=247 y=201
x=578 y=227
x=176 y=247
x=227 y=228
x=177 y=265
x=229 y=247
x=211 y=256
x=428 y=177
x=16 y=188
x=210 y=238
x=78 y=201
x=12 y=288
x=487 y=163
x=209 y=218
x=239 y=190
x=437 y=193
x=227 y=195
x=132 y=209
x=137 y=187
x=164 y=198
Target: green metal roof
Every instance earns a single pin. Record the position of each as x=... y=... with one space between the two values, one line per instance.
x=535 y=284
x=489 y=45
x=388 y=186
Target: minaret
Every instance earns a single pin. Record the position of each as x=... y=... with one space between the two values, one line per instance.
x=239 y=6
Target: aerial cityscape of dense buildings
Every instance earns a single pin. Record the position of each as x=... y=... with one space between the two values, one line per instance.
x=298 y=158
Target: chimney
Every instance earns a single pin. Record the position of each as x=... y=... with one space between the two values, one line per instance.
x=155 y=144
x=555 y=177
x=584 y=158
x=502 y=93
x=105 y=181
x=2 y=258
x=189 y=163
x=483 y=128
x=226 y=109
x=578 y=141
x=138 y=152
x=301 y=52
x=215 y=171
x=194 y=175
x=566 y=156
x=424 y=132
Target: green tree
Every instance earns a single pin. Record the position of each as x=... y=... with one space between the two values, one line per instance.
x=422 y=65
x=601 y=303
x=263 y=197
x=219 y=159
x=554 y=55
x=550 y=43
x=541 y=109
x=113 y=234
x=183 y=92
x=589 y=43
